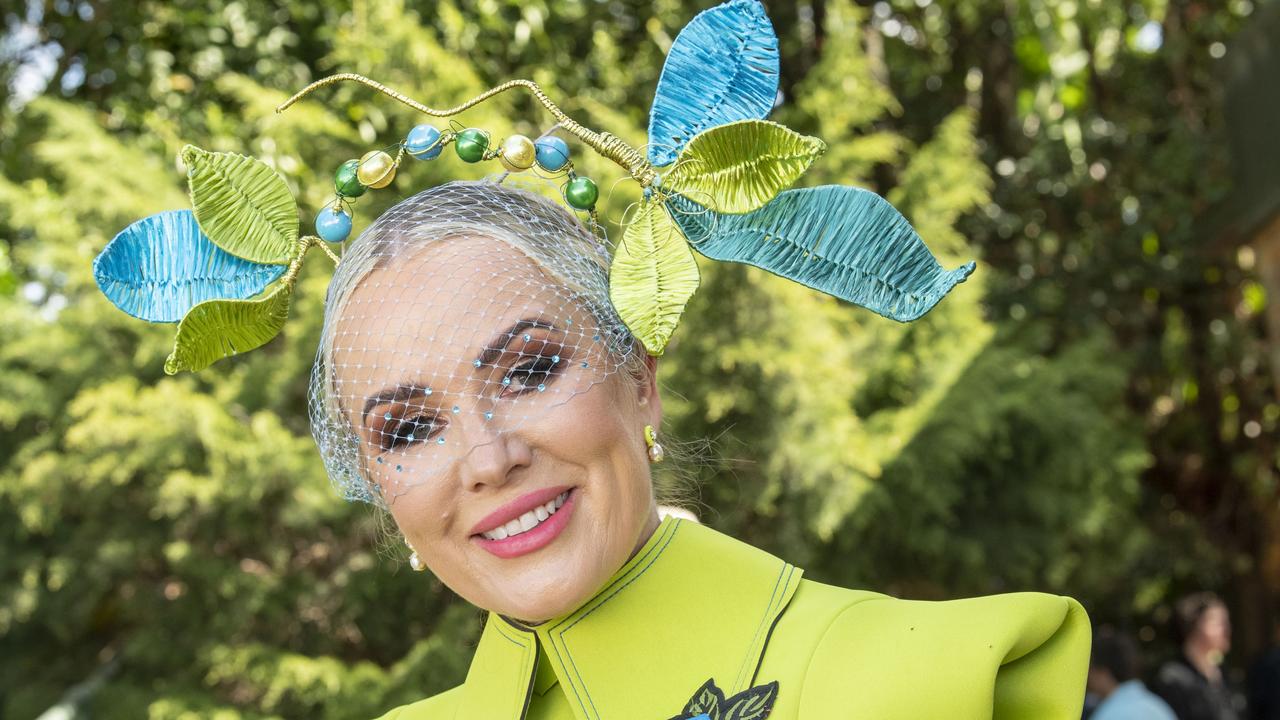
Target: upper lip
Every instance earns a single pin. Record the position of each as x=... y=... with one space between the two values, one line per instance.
x=518 y=507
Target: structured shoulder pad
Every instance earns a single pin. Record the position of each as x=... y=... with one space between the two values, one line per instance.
x=436 y=707
x=1018 y=656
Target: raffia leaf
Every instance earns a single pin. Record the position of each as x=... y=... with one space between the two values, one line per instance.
x=243 y=205
x=652 y=276
x=845 y=241
x=161 y=266
x=722 y=67
x=216 y=329
x=737 y=168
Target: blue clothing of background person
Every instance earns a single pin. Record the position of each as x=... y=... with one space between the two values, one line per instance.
x=1132 y=701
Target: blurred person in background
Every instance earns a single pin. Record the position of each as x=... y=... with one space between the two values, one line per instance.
x=1114 y=669
x=1193 y=683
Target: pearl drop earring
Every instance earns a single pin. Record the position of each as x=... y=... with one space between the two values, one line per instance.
x=415 y=562
x=655 y=448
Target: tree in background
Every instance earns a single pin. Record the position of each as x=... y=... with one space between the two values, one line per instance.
x=1088 y=414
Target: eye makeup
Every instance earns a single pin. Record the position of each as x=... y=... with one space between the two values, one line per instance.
x=530 y=360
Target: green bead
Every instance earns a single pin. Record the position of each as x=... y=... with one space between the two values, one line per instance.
x=581 y=193
x=471 y=144
x=346 y=181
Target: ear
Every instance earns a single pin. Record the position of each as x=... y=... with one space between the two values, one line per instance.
x=650 y=400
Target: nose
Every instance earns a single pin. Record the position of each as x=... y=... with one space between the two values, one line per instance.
x=492 y=454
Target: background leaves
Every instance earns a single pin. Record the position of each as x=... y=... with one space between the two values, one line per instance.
x=1092 y=412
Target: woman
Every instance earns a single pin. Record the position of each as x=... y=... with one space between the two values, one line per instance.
x=1194 y=684
x=487 y=374
x=475 y=379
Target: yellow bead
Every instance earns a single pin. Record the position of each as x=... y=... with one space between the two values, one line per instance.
x=376 y=170
x=518 y=153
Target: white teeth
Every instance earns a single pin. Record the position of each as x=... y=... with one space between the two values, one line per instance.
x=527 y=521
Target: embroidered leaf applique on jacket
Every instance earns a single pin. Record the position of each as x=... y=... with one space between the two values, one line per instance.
x=709 y=703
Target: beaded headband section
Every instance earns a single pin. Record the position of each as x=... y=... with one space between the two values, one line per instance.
x=715 y=176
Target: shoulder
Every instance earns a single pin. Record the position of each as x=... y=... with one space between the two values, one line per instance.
x=436 y=707
x=1008 y=657
x=1133 y=701
x=1176 y=672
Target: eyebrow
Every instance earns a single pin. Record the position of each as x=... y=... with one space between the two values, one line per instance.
x=491 y=352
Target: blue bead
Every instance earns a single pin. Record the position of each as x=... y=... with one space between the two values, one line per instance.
x=333 y=225
x=422 y=144
x=552 y=152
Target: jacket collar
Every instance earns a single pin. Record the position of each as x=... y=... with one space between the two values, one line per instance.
x=691 y=605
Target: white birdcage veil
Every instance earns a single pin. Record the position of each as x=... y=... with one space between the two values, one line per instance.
x=520 y=265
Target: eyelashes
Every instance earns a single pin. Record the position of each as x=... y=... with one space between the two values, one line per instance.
x=531 y=376
x=405 y=432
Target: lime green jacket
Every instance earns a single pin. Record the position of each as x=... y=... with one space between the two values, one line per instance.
x=694 y=605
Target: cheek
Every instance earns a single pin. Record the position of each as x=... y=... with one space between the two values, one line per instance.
x=424 y=514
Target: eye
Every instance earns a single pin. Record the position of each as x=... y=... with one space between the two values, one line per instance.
x=399 y=433
x=532 y=375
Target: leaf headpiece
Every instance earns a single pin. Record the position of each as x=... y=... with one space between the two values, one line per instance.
x=715 y=175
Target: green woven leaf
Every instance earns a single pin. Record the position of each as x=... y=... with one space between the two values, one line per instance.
x=738 y=167
x=652 y=276
x=243 y=205
x=215 y=329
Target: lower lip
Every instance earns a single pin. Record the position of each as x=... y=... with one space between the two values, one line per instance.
x=535 y=539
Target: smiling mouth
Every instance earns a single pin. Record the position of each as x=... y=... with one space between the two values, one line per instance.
x=529 y=520
x=543 y=517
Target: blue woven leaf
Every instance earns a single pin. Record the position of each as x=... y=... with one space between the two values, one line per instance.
x=723 y=67
x=161 y=266
x=844 y=241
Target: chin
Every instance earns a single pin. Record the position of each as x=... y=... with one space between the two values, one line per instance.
x=559 y=597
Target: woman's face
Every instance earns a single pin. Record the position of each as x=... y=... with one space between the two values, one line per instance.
x=1214 y=629
x=508 y=444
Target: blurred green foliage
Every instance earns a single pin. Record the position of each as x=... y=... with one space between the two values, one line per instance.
x=1090 y=414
